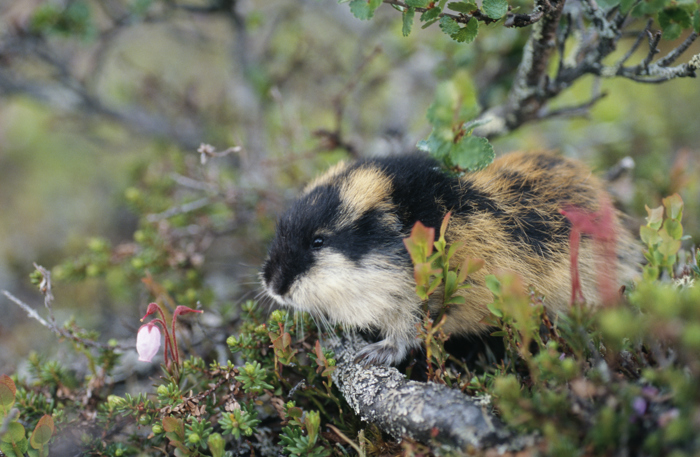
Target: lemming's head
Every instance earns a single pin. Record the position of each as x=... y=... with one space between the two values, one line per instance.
x=338 y=250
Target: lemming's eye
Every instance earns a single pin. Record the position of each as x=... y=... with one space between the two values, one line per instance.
x=317 y=242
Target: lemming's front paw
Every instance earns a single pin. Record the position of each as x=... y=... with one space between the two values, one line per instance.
x=383 y=352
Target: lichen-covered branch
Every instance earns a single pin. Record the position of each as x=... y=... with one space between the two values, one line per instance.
x=533 y=88
x=423 y=411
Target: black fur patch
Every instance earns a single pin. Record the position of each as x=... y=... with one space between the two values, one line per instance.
x=549 y=162
x=538 y=229
x=291 y=253
x=367 y=235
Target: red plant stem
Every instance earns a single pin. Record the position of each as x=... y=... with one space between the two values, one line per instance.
x=176 y=351
x=162 y=324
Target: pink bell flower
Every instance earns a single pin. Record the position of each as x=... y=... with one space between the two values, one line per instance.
x=148 y=342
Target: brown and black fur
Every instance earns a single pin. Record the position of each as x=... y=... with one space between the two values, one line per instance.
x=339 y=254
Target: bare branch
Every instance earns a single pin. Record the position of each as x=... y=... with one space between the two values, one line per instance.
x=61 y=332
x=653 y=50
x=30 y=311
x=575 y=110
x=182 y=209
x=636 y=44
x=382 y=395
x=185 y=181
x=676 y=53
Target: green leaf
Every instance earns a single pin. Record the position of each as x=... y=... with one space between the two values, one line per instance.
x=674 y=16
x=495 y=9
x=650 y=273
x=438 y=144
x=15 y=433
x=495 y=311
x=668 y=246
x=472 y=153
x=456 y=300
x=649 y=236
x=453 y=249
x=450 y=284
x=42 y=432
x=468 y=33
x=448 y=25
x=430 y=14
x=418 y=3
x=674 y=206
x=364 y=9
x=696 y=21
x=469 y=266
x=407 y=18
x=471 y=125
x=7 y=394
x=673 y=228
x=672 y=32
x=422 y=273
x=428 y=24
x=434 y=285
x=462 y=7
x=493 y=284
x=420 y=243
x=648 y=7
x=655 y=217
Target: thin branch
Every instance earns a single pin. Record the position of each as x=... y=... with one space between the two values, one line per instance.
x=561 y=42
x=523 y=20
x=185 y=181
x=653 y=50
x=30 y=311
x=676 y=53
x=575 y=110
x=463 y=18
x=182 y=209
x=61 y=332
x=636 y=44
x=656 y=73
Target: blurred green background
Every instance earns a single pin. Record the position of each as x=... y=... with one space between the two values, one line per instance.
x=88 y=113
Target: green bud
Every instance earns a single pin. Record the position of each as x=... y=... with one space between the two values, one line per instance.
x=194 y=438
x=92 y=270
x=231 y=340
x=97 y=244
x=115 y=401
x=139 y=236
x=568 y=366
x=162 y=390
x=157 y=429
x=278 y=315
x=132 y=194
